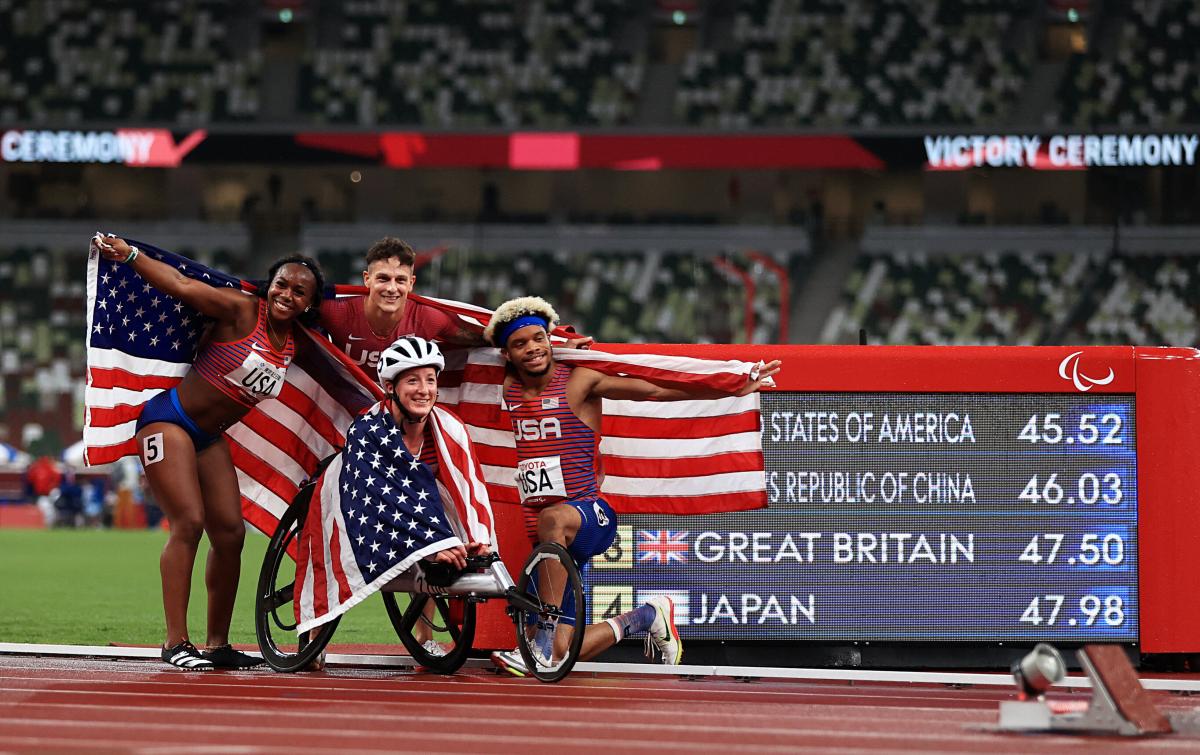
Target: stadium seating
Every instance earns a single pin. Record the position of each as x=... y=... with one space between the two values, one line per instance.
x=823 y=63
x=1142 y=299
x=474 y=63
x=1021 y=297
x=613 y=295
x=1152 y=78
x=170 y=61
x=999 y=298
x=43 y=319
x=668 y=296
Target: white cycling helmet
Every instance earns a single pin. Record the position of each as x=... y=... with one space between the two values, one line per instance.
x=405 y=354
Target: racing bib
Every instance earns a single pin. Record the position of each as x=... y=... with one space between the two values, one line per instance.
x=540 y=480
x=257 y=377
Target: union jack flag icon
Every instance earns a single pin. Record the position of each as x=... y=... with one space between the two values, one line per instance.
x=662 y=546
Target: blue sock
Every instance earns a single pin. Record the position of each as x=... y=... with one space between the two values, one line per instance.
x=632 y=622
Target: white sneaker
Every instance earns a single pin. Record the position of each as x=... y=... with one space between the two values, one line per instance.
x=663 y=636
x=510 y=661
x=433 y=647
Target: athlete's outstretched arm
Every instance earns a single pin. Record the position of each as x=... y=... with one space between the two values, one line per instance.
x=218 y=303
x=636 y=389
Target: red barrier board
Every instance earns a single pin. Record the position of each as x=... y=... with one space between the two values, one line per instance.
x=1157 y=383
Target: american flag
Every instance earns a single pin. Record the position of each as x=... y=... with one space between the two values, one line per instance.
x=685 y=457
x=381 y=510
x=141 y=342
x=670 y=457
x=662 y=546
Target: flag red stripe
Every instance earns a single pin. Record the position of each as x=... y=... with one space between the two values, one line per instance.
x=484 y=374
x=315 y=524
x=691 y=427
x=496 y=456
x=303 y=405
x=303 y=559
x=731 y=382
x=109 y=454
x=261 y=472
x=103 y=416
x=113 y=377
x=282 y=437
x=699 y=467
x=262 y=520
x=716 y=503
x=482 y=415
x=335 y=557
x=503 y=494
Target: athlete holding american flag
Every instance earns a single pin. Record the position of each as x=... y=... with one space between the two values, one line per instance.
x=683 y=457
x=555 y=410
x=242 y=361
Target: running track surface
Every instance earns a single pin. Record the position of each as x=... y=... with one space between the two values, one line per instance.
x=143 y=706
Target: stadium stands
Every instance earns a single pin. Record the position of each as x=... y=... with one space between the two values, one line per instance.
x=937 y=286
x=668 y=296
x=560 y=63
x=994 y=298
x=1151 y=79
x=172 y=61
x=1142 y=299
x=614 y=295
x=474 y=63
x=821 y=63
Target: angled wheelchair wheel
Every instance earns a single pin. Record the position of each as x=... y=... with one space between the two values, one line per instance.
x=274 y=609
x=548 y=581
x=451 y=622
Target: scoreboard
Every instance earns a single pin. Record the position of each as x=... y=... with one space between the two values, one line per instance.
x=910 y=517
x=934 y=494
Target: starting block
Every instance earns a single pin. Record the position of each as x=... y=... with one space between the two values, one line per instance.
x=1119 y=704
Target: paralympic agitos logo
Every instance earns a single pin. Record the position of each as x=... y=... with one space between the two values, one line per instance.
x=1068 y=369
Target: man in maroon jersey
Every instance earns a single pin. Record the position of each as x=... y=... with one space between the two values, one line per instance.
x=363 y=326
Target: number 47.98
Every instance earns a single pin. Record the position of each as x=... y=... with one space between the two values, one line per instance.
x=1111 y=609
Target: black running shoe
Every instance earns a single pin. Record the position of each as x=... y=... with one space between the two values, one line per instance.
x=187 y=657
x=226 y=657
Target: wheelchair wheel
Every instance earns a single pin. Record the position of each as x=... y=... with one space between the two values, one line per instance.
x=549 y=579
x=452 y=623
x=274 y=612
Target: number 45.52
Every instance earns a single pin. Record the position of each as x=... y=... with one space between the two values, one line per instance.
x=1093 y=428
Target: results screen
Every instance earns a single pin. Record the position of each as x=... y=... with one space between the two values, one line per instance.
x=973 y=517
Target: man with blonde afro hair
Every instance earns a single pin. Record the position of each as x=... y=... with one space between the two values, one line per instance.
x=555 y=410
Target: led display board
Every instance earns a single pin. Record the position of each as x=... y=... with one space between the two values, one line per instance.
x=910 y=517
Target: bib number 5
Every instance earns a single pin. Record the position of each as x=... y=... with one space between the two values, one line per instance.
x=152 y=449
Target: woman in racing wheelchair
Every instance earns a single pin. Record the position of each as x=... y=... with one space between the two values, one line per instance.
x=401 y=509
x=386 y=494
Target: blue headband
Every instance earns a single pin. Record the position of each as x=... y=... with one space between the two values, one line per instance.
x=519 y=323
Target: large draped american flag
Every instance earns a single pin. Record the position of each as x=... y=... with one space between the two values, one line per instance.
x=377 y=510
x=683 y=457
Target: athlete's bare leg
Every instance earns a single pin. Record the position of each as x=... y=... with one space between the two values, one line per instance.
x=169 y=459
x=559 y=524
x=226 y=535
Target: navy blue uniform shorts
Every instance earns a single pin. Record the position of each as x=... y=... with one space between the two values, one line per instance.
x=165 y=407
x=597 y=530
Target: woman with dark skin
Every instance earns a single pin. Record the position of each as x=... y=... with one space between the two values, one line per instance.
x=241 y=361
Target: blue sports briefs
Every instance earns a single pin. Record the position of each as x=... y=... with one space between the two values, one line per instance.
x=165 y=407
